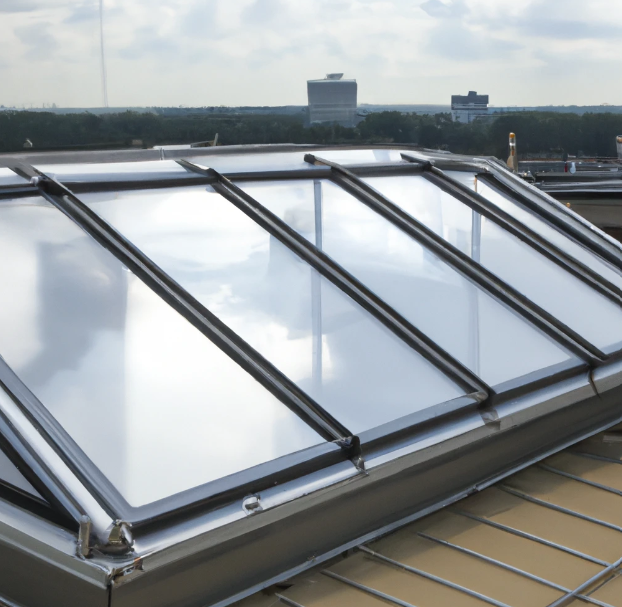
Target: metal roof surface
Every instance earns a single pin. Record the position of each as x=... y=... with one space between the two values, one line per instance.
x=548 y=536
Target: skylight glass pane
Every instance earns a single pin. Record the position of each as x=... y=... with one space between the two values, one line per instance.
x=10 y=178
x=153 y=403
x=11 y=476
x=288 y=161
x=328 y=345
x=574 y=303
x=479 y=331
x=541 y=227
x=116 y=171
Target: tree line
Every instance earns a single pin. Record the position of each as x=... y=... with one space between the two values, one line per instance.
x=539 y=133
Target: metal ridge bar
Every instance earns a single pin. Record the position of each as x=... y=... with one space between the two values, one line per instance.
x=574 y=477
x=328 y=268
x=461 y=262
x=370 y=170
x=529 y=536
x=433 y=578
x=86 y=187
x=600 y=458
x=484 y=207
x=287 y=601
x=21 y=191
x=561 y=509
x=448 y=161
x=565 y=600
x=192 y=310
x=507 y=567
x=366 y=589
x=562 y=219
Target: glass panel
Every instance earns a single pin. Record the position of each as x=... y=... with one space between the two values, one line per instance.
x=335 y=351
x=8 y=177
x=9 y=474
x=360 y=156
x=239 y=163
x=590 y=314
x=538 y=225
x=475 y=328
x=154 y=404
x=116 y=171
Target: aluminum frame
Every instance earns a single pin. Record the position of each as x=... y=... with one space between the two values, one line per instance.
x=514 y=227
x=489 y=282
x=347 y=283
x=527 y=419
x=216 y=492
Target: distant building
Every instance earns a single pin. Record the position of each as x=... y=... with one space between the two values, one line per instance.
x=619 y=142
x=466 y=108
x=332 y=100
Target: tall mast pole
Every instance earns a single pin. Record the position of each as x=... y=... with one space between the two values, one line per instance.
x=101 y=35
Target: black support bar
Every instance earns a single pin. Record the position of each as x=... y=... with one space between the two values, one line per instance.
x=25 y=191
x=490 y=283
x=485 y=208
x=115 y=185
x=347 y=283
x=193 y=311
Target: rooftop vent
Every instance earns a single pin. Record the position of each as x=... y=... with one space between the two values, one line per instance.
x=334 y=76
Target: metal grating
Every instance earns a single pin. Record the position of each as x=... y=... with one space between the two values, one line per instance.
x=550 y=536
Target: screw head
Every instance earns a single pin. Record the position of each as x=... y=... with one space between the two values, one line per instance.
x=252 y=504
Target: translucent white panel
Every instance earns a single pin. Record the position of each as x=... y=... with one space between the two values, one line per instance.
x=8 y=177
x=11 y=475
x=154 y=403
x=329 y=346
x=553 y=235
x=116 y=171
x=475 y=328
x=590 y=314
x=238 y=163
x=360 y=156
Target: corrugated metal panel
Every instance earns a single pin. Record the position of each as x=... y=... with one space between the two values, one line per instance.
x=549 y=536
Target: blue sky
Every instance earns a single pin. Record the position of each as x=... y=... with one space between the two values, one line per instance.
x=261 y=52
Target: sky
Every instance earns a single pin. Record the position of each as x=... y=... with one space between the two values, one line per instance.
x=261 y=52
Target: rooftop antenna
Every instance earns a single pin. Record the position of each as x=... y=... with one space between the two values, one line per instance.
x=513 y=159
x=101 y=35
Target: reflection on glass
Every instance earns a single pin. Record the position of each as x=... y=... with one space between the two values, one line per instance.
x=154 y=404
x=288 y=161
x=10 y=475
x=538 y=225
x=476 y=329
x=10 y=178
x=329 y=346
x=115 y=171
x=574 y=303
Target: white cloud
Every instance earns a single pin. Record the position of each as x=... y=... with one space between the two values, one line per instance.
x=261 y=52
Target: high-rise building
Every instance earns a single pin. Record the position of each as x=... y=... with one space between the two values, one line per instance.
x=466 y=108
x=332 y=100
x=619 y=142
